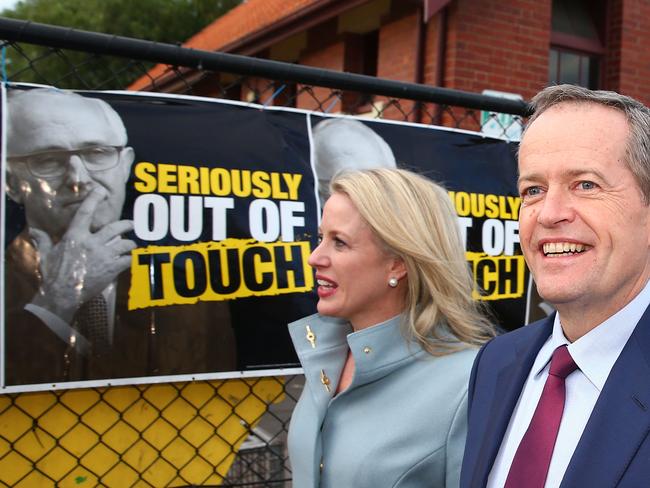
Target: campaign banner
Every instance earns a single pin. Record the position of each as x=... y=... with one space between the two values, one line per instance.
x=480 y=174
x=153 y=237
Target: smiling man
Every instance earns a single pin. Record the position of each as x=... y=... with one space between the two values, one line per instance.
x=566 y=401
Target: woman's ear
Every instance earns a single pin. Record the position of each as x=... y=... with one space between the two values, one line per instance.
x=398 y=268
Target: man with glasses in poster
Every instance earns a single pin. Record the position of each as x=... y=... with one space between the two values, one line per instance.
x=68 y=163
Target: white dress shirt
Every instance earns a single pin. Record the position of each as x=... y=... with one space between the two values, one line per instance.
x=595 y=354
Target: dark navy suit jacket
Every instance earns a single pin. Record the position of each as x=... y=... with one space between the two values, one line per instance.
x=614 y=450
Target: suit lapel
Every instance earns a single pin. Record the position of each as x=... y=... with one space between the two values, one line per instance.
x=620 y=420
x=509 y=383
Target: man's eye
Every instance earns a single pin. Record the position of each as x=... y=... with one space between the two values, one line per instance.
x=47 y=164
x=48 y=160
x=98 y=153
x=587 y=185
x=531 y=191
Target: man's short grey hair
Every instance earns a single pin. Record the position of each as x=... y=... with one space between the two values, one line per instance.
x=17 y=99
x=637 y=152
x=345 y=144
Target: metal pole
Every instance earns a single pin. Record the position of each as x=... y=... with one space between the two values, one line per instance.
x=105 y=44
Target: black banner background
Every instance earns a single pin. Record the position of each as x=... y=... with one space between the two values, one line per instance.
x=166 y=130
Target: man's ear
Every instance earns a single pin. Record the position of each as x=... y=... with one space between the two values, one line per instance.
x=14 y=186
x=127 y=156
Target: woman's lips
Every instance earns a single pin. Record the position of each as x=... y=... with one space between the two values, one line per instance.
x=326 y=287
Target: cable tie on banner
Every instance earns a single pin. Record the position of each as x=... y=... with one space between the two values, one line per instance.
x=331 y=105
x=275 y=94
x=4 y=64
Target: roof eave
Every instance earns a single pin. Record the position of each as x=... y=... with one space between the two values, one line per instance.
x=295 y=23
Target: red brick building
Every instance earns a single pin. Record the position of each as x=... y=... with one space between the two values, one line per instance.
x=516 y=46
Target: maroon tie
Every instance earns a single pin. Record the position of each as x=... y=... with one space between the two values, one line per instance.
x=530 y=464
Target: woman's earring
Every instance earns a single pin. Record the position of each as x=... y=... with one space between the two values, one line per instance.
x=393 y=282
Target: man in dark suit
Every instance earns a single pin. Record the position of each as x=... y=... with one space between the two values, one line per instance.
x=67 y=277
x=566 y=401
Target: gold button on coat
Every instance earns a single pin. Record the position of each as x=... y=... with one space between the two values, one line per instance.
x=311 y=337
x=325 y=380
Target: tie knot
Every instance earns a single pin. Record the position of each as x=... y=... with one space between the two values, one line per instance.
x=562 y=364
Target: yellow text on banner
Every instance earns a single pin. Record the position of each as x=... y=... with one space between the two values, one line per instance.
x=213 y=271
x=497 y=277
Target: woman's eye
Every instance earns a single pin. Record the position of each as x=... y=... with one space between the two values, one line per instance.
x=338 y=242
x=319 y=239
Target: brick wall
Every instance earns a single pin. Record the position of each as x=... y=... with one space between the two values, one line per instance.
x=330 y=57
x=499 y=45
x=611 y=76
x=489 y=44
x=397 y=45
x=634 y=77
x=397 y=59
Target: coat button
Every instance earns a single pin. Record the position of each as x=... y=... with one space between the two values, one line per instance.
x=367 y=350
x=325 y=380
x=311 y=337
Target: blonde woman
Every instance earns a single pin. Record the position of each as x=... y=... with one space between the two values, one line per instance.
x=388 y=355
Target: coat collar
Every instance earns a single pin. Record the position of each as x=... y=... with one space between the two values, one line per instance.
x=322 y=344
x=380 y=350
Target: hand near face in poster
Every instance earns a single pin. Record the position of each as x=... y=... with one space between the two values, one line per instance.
x=67 y=316
x=82 y=263
x=68 y=165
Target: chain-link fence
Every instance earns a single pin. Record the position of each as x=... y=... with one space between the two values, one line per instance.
x=203 y=433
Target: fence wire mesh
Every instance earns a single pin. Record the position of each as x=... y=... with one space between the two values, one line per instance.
x=228 y=433
x=203 y=433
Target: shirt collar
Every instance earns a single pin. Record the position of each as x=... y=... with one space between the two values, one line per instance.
x=596 y=352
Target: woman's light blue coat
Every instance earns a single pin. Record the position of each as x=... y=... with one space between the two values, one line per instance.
x=401 y=423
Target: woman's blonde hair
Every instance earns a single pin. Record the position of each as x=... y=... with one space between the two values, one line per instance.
x=414 y=219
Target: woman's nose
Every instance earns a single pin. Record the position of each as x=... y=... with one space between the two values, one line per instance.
x=318 y=258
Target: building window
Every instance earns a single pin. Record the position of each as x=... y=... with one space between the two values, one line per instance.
x=577 y=42
x=575 y=68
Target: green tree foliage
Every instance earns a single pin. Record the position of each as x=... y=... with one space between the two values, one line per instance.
x=168 y=21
